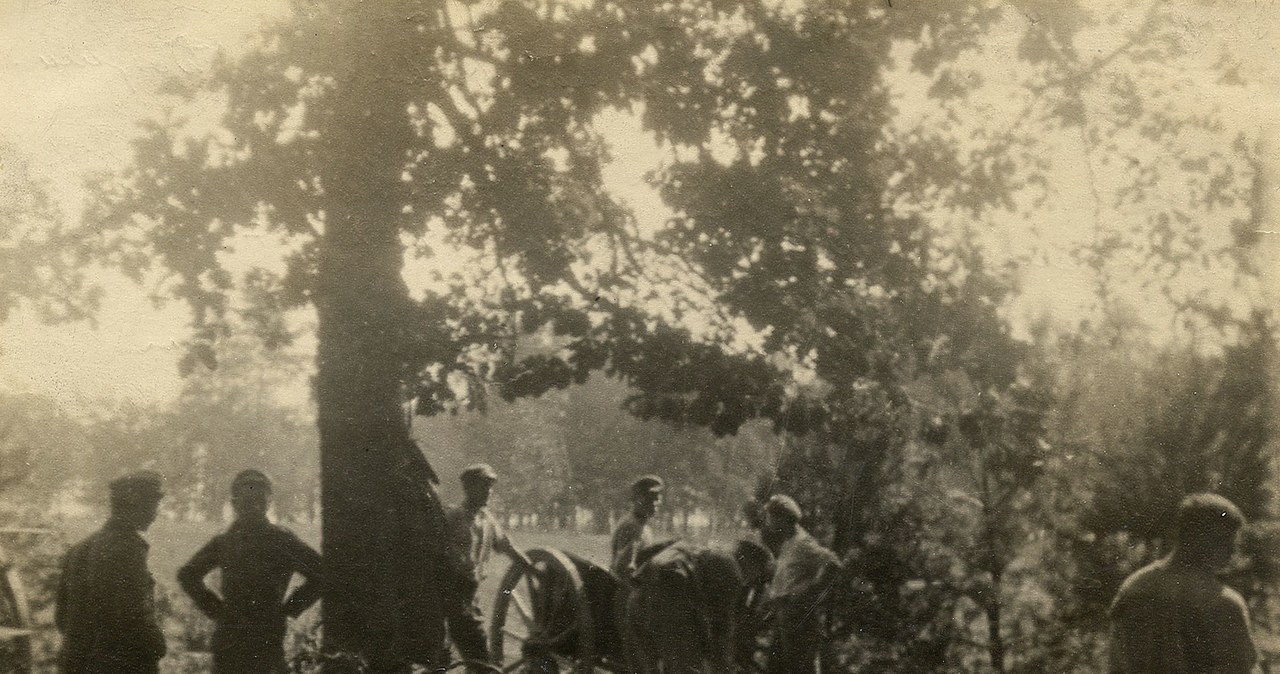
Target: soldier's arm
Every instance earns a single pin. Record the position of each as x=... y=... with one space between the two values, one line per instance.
x=502 y=543
x=622 y=537
x=823 y=567
x=131 y=594
x=457 y=530
x=192 y=574
x=306 y=563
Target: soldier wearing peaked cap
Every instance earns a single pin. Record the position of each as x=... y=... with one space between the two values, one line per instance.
x=473 y=535
x=477 y=473
x=106 y=596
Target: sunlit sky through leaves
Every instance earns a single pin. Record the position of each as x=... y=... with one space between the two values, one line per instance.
x=76 y=76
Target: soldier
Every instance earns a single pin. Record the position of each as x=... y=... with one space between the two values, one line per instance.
x=803 y=572
x=106 y=596
x=1174 y=616
x=256 y=560
x=633 y=533
x=472 y=536
x=689 y=605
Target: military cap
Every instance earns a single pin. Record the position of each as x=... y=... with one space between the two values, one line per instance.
x=1202 y=512
x=250 y=479
x=479 y=472
x=647 y=484
x=781 y=504
x=144 y=483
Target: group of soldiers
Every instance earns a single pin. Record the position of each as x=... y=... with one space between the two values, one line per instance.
x=682 y=607
x=685 y=607
x=106 y=596
x=694 y=608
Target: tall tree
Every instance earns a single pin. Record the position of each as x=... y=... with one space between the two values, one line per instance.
x=349 y=130
x=787 y=285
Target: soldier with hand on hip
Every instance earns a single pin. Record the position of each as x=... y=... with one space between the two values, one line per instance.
x=257 y=560
x=803 y=573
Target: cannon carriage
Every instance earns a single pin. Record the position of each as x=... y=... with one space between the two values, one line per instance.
x=564 y=618
x=567 y=615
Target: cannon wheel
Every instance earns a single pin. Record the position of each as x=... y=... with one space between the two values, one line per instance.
x=542 y=623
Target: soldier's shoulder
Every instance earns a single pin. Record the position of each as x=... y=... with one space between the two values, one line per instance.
x=1147 y=579
x=282 y=534
x=626 y=525
x=106 y=544
x=1231 y=599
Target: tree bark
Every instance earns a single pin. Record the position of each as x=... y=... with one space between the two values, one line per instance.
x=381 y=520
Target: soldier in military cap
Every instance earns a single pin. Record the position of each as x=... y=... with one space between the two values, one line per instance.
x=106 y=596
x=802 y=573
x=633 y=533
x=473 y=535
x=257 y=560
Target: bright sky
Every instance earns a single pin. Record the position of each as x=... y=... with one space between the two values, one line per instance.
x=77 y=74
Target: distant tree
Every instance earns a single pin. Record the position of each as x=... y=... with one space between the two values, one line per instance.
x=239 y=416
x=983 y=489
x=1210 y=430
x=37 y=263
x=44 y=450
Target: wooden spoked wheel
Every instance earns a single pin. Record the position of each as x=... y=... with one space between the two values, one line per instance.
x=542 y=621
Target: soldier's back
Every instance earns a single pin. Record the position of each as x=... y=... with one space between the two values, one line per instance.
x=1170 y=619
x=105 y=606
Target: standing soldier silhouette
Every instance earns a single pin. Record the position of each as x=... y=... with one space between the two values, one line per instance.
x=106 y=596
x=1174 y=616
x=633 y=533
x=257 y=560
x=472 y=535
x=802 y=573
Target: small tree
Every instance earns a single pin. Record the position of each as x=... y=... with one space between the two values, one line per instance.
x=1209 y=429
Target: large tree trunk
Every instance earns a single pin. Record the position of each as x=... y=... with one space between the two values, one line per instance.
x=381 y=523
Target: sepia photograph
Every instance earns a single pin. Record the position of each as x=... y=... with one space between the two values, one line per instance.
x=639 y=336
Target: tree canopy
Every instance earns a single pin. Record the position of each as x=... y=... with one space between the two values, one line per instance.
x=819 y=257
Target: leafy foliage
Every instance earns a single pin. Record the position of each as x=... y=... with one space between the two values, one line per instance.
x=819 y=260
x=36 y=259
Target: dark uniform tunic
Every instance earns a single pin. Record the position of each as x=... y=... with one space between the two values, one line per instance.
x=1172 y=619
x=257 y=560
x=106 y=605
